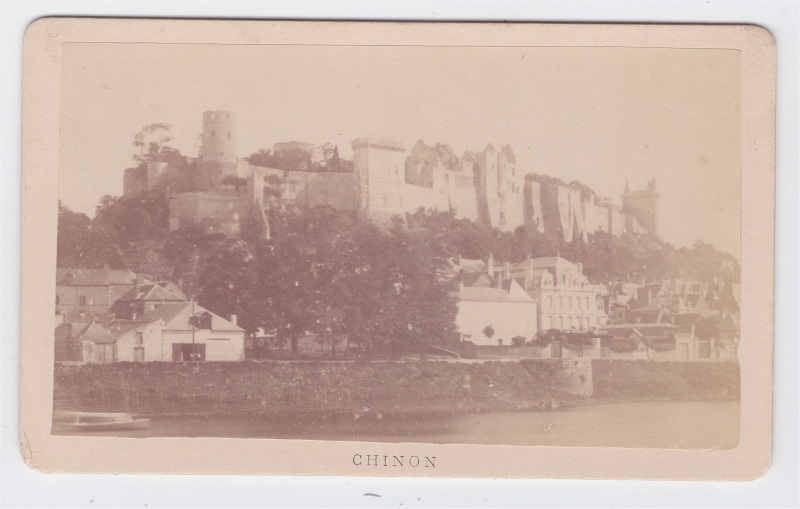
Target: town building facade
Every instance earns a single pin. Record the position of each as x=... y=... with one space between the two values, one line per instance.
x=565 y=297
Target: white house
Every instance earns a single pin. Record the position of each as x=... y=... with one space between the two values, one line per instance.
x=507 y=310
x=178 y=331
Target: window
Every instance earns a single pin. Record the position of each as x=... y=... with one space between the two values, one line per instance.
x=58 y=301
x=560 y=322
x=569 y=302
x=550 y=304
x=139 y=338
x=579 y=302
x=550 y=322
x=138 y=354
x=569 y=321
x=560 y=302
x=82 y=300
x=587 y=302
x=447 y=178
x=202 y=321
x=586 y=321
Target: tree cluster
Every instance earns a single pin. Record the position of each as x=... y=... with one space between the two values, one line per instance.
x=324 y=158
x=375 y=286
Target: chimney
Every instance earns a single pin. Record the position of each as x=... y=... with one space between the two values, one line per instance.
x=139 y=281
x=233 y=319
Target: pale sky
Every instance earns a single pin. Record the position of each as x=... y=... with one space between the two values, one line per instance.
x=603 y=116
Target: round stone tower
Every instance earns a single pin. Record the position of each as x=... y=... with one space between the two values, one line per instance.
x=219 y=136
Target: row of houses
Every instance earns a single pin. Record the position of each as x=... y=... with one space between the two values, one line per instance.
x=106 y=315
x=504 y=305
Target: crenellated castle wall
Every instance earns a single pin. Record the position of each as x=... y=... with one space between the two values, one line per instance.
x=487 y=187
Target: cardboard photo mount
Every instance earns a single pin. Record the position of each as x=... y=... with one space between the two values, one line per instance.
x=44 y=452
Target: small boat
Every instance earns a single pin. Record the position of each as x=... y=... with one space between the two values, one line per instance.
x=87 y=421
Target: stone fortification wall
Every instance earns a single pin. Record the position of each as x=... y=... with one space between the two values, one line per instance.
x=616 y=222
x=312 y=189
x=216 y=211
x=632 y=225
x=532 y=206
x=379 y=169
x=596 y=216
x=416 y=197
x=134 y=181
x=464 y=201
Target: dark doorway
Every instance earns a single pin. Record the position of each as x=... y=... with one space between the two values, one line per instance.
x=183 y=352
x=704 y=349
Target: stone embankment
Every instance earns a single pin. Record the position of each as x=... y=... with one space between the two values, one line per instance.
x=278 y=387
x=376 y=388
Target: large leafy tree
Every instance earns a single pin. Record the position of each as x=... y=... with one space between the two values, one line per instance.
x=151 y=142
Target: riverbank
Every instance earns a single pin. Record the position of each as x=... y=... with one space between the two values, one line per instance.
x=371 y=390
x=306 y=387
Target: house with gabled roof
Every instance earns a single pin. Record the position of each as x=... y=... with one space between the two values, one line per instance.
x=97 y=344
x=178 y=331
x=142 y=299
x=489 y=300
x=85 y=293
x=504 y=309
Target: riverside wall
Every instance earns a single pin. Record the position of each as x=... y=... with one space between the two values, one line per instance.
x=307 y=386
x=382 y=386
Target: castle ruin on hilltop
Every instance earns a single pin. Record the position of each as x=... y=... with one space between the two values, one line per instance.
x=486 y=187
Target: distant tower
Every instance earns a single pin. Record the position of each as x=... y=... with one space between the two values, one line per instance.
x=643 y=205
x=219 y=136
x=488 y=184
x=379 y=173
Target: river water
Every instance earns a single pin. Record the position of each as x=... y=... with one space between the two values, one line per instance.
x=659 y=424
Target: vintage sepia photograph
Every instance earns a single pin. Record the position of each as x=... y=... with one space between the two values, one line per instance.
x=532 y=246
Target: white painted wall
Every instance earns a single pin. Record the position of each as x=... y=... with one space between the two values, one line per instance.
x=508 y=319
